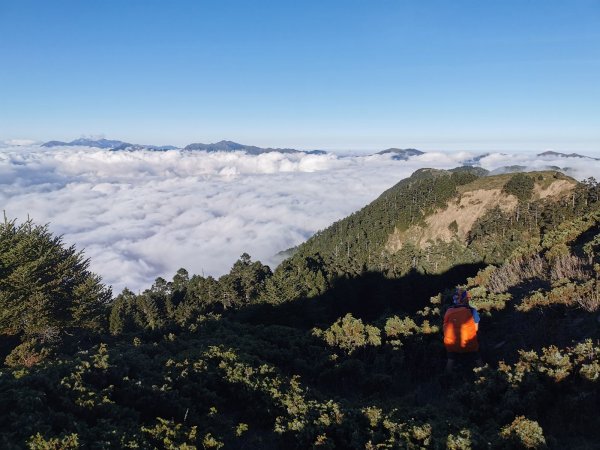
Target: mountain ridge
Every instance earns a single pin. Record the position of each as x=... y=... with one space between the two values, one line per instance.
x=369 y=239
x=552 y=153
x=230 y=146
x=110 y=144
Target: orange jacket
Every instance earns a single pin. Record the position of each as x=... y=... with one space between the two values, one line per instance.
x=460 y=330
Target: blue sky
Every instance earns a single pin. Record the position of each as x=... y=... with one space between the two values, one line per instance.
x=455 y=75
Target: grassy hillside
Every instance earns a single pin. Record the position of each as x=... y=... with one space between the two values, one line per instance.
x=328 y=350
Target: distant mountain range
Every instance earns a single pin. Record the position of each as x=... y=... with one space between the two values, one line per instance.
x=230 y=146
x=106 y=144
x=83 y=142
x=398 y=154
x=221 y=146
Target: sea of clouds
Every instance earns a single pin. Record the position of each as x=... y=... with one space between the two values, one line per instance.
x=143 y=214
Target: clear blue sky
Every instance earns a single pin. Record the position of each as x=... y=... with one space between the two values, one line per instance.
x=451 y=74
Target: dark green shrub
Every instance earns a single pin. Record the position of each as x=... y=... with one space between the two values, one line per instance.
x=521 y=186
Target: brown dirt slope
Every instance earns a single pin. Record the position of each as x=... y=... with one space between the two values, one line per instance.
x=473 y=201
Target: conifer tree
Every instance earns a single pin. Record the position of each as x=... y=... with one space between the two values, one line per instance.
x=46 y=287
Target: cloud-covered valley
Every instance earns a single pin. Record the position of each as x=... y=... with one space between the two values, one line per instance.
x=143 y=214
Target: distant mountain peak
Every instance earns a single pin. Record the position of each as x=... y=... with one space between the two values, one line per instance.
x=475 y=160
x=229 y=143
x=401 y=153
x=552 y=153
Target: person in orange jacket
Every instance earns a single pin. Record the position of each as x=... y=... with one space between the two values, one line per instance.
x=461 y=324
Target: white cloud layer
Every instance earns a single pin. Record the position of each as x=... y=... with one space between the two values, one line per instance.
x=144 y=214
x=17 y=142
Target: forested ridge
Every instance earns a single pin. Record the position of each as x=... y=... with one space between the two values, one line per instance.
x=338 y=347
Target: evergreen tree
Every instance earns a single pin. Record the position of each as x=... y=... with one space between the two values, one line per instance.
x=45 y=287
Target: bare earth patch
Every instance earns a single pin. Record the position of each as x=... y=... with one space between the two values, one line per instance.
x=556 y=189
x=465 y=210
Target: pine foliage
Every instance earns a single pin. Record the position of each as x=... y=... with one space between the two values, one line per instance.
x=46 y=288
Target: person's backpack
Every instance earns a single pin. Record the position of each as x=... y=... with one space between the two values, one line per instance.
x=460 y=330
